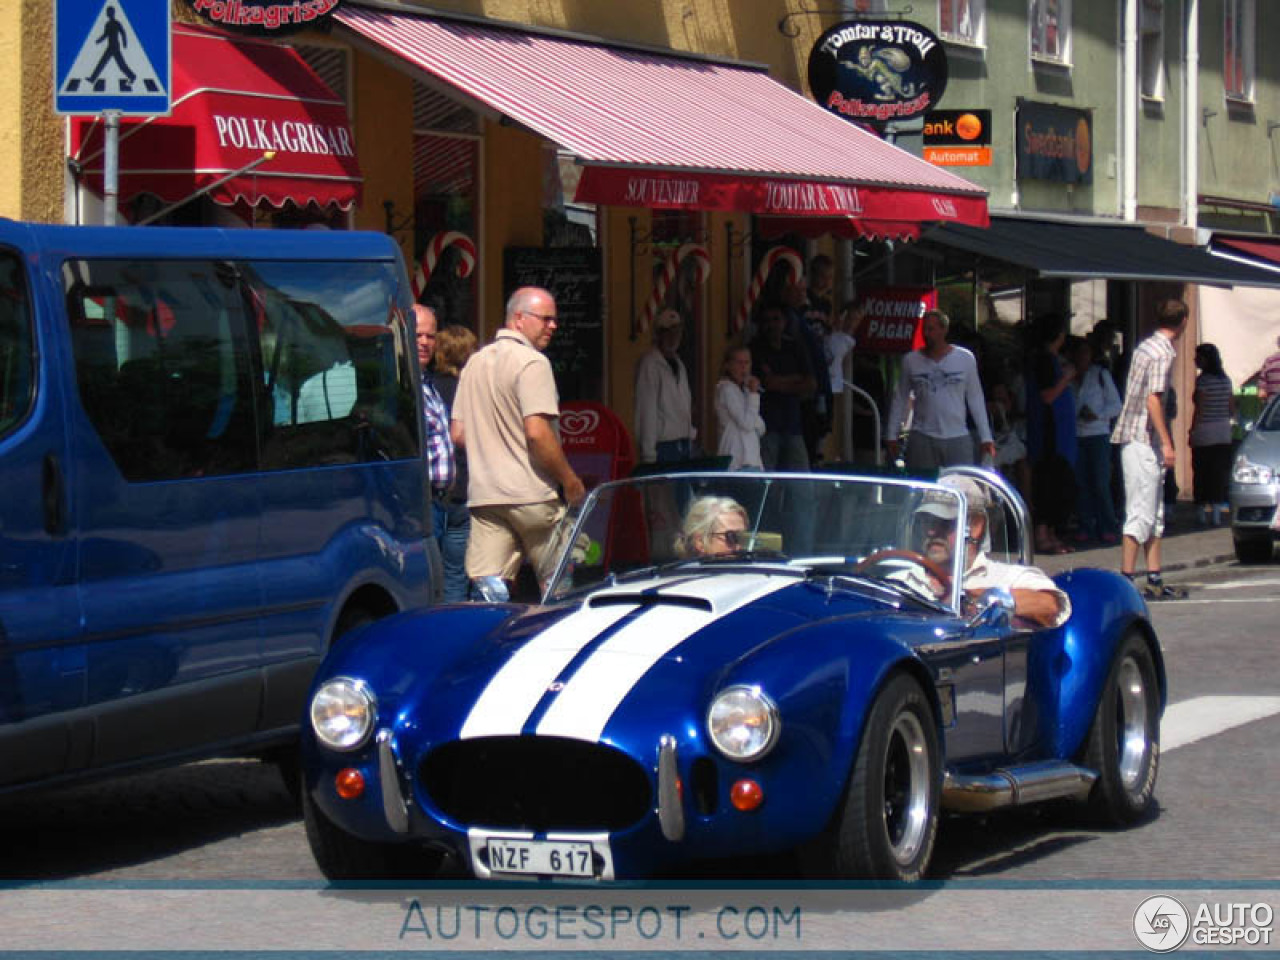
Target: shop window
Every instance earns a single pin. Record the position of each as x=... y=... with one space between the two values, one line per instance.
x=1050 y=23
x=1238 y=49
x=446 y=186
x=963 y=21
x=684 y=293
x=1151 y=65
x=17 y=345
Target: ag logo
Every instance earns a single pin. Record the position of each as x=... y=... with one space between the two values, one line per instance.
x=1161 y=924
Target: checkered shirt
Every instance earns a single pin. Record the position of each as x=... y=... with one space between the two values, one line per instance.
x=1148 y=373
x=440 y=465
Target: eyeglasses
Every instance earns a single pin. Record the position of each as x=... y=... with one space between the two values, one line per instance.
x=544 y=317
x=731 y=538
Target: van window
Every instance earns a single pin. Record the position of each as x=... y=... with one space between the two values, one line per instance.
x=163 y=365
x=335 y=364
x=200 y=368
x=17 y=352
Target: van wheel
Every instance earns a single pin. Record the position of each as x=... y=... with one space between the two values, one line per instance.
x=342 y=856
x=288 y=764
x=352 y=619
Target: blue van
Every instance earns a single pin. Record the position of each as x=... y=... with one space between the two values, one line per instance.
x=210 y=470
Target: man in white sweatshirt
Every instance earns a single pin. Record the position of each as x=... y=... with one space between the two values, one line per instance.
x=664 y=407
x=943 y=378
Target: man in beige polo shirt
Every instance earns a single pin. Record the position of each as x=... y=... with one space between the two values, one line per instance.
x=505 y=414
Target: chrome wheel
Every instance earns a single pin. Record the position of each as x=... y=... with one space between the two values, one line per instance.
x=1132 y=729
x=906 y=788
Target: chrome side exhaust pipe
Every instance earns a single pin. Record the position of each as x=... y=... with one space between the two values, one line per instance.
x=1016 y=786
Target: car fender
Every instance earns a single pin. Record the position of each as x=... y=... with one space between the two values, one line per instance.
x=823 y=680
x=1072 y=664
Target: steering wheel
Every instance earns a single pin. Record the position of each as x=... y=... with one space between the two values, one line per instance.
x=935 y=570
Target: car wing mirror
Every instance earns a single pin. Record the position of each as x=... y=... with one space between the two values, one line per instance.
x=995 y=609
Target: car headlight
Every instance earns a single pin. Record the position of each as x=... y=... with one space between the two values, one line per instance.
x=743 y=723
x=343 y=712
x=1246 y=471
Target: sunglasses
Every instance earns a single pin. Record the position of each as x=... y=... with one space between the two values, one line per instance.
x=731 y=538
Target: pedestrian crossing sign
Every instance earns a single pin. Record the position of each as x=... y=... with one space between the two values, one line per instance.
x=112 y=55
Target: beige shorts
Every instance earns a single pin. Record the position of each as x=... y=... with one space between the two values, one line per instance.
x=1143 y=491
x=503 y=536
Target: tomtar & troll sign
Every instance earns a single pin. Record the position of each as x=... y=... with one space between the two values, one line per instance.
x=874 y=71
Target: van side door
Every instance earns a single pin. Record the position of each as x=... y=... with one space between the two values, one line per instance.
x=168 y=505
x=42 y=673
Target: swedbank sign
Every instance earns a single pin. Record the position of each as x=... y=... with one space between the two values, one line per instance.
x=264 y=16
x=1054 y=143
x=876 y=71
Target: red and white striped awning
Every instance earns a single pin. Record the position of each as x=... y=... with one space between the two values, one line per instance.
x=676 y=133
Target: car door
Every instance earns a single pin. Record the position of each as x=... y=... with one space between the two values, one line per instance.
x=42 y=670
x=168 y=505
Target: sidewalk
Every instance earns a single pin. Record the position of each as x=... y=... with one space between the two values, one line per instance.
x=1185 y=546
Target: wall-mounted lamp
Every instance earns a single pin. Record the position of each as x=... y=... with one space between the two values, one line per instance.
x=1205 y=114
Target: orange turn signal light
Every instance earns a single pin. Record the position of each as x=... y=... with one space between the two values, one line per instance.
x=746 y=795
x=349 y=783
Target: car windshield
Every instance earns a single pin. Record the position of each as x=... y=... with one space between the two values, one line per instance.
x=878 y=529
x=1270 y=419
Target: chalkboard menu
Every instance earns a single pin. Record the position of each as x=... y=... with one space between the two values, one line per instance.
x=573 y=275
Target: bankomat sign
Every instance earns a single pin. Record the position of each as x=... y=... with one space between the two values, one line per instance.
x=877 y=71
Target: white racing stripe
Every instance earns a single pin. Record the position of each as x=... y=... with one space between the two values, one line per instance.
x=516 y=688
x=1190 y=720
x=600 y=685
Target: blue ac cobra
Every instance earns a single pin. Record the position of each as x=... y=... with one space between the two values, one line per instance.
x=768 y=677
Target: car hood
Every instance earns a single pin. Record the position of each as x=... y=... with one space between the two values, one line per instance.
x=1262 y=447
x=570 y=677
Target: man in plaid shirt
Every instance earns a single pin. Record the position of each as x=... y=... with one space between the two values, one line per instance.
x=439 y=445
x=1146 y=448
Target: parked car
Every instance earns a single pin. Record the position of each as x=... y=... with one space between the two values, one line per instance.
x=1255 y=488
x=778 y=682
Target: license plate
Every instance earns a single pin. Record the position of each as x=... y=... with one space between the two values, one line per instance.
x=547 y=858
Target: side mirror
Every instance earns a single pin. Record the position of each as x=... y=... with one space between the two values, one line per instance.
x=995 y=609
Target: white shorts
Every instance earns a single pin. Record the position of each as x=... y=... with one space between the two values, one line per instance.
x=1143 y=491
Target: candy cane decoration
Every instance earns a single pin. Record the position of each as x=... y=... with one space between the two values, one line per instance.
x=447 y=238
x=701 y=258
x=771 y=259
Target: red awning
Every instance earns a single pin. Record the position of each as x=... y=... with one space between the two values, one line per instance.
x=1268 y=250
x=234 y=100
x=673 y=132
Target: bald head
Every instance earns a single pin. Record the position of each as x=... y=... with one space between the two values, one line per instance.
x=531 y=311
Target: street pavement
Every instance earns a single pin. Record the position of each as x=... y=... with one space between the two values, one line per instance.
x=1186 y=546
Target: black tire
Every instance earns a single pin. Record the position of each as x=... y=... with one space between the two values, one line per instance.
x=342 y=856
x=288 y=763
x=1253 y=549
x=352 y=619
x=888 y=820
x=1124 y=741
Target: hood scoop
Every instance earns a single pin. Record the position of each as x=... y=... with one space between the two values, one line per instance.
x=637 y=599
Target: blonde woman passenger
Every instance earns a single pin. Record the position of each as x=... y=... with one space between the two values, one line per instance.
x=738 y=411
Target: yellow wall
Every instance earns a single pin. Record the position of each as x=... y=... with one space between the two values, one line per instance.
x=511 y=209
x=31 y=135
x=382 y=122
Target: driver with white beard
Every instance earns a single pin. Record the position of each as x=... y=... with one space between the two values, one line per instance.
x=1035 y=596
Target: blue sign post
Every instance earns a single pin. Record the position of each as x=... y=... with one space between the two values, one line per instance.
x=112 y=55
x=114 y=58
